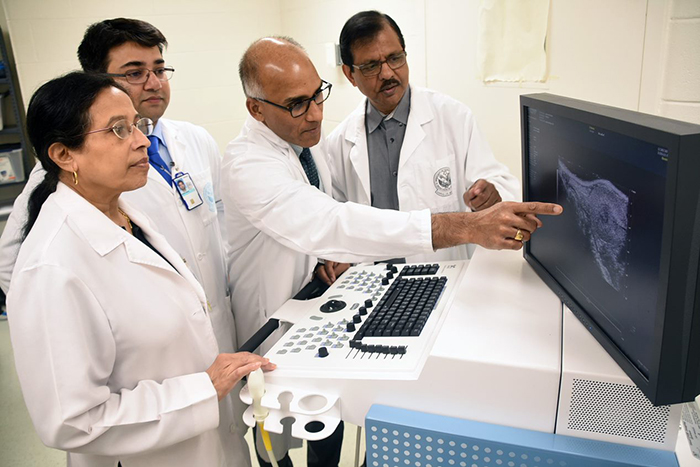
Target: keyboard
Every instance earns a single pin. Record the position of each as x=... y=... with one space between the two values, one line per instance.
x=377 y=321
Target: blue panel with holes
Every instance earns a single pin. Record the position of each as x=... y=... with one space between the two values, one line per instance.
x=399 y=437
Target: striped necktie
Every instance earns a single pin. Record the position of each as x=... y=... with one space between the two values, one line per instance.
x=307 y=162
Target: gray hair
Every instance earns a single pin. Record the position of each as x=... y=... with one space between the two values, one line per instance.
x=248 y=66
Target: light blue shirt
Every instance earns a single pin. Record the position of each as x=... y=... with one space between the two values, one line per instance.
x=162 y=148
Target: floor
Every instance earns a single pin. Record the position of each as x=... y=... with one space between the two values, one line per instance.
x=20 y=446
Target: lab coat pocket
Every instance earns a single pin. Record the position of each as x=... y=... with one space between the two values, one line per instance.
x=437 y=184
x=202 y=180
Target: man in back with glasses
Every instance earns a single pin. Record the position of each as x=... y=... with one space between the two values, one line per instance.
x=407 y=147
x=131 y=51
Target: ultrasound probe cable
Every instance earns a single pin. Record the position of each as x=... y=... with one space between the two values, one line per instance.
x=256 y=386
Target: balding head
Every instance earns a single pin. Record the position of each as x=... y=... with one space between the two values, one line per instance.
x=269 y=58
x=278 y=75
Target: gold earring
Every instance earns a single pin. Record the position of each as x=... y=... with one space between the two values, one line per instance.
x=75 y=178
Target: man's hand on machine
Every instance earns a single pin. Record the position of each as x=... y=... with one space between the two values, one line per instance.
x=330 y=271
x=505 y=225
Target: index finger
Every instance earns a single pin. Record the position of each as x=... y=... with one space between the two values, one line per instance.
x=534 y=207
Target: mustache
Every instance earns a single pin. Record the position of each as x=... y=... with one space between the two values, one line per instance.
x=389 y=83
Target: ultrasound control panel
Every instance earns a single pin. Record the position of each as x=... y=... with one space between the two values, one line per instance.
x=375 y=322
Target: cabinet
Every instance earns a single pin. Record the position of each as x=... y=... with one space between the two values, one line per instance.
x=16 y=158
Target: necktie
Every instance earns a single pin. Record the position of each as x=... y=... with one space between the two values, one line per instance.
x=307 y=162
x=156 y=161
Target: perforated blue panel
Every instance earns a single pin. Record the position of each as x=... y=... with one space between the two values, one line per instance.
x=399 y=437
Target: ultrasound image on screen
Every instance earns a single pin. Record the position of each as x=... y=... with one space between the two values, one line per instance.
x=601 y=214
x=604 y=250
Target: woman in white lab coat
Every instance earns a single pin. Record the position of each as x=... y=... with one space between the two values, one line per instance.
x=114 y=349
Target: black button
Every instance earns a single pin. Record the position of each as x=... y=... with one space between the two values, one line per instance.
x=322 y=352
x=350 y=327
x=385 y=281
x=368 y=303
x=356 y=319
x=331 y=306
x=362 y=310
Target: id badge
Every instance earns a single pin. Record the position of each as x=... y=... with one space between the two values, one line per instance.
x=188 y=192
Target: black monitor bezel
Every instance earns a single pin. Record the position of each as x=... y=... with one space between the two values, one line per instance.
x=673 y=376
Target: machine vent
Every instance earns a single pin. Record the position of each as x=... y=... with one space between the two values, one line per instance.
x=616 y=409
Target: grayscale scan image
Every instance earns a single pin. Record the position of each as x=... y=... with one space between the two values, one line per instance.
x=602 y=216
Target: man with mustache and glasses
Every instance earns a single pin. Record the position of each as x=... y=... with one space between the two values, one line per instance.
x=131 y=51
x=406 y=147
x=281 y=218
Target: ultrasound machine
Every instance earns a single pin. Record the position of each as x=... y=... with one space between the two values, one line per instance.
x=579 y=350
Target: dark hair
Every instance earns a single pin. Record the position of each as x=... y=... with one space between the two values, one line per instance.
x=59 y=112
x=362 y=28
x=100 y=38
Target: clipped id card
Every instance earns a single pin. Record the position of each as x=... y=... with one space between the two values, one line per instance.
x=188 y=192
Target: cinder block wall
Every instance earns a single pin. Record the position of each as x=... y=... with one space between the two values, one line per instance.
x=680 y=95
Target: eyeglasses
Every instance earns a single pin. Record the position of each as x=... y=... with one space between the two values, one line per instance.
x=299 y=108
x=141 y=75
x=124 y=129
x=374 y=68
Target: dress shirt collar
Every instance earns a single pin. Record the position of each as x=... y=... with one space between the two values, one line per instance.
x=158 y=133
x=400 y=113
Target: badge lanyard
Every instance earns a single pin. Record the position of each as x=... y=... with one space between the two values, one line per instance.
x=187 y=190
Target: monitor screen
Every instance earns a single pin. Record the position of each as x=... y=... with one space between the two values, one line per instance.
x=614 y=173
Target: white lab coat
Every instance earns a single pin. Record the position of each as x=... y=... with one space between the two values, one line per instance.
x=441 y=135
x=195 y=234
x=111 y=344
x=280 y=225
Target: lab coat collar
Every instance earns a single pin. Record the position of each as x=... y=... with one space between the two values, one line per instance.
x=270 y=136
x=281 y=146
x=104 y=236
x=421 y=114
x=357 y=137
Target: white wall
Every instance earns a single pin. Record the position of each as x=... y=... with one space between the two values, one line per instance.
x=206 y=39
x=636 y=54
x=595 y=53
x=680 y=92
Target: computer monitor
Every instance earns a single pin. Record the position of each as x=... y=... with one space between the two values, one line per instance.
x=624 y=255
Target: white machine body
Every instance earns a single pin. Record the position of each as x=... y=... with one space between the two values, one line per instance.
x=503 y=351
x=297 y=354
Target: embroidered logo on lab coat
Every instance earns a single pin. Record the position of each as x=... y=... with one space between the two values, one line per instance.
x=443 y=182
